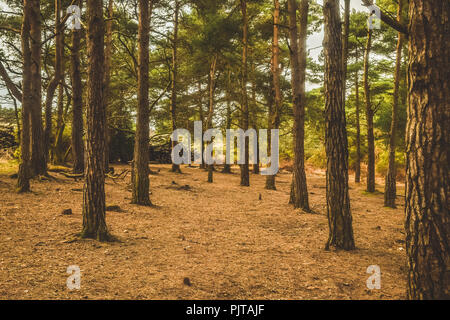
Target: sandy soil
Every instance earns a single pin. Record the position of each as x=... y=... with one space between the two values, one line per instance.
x=227 y=242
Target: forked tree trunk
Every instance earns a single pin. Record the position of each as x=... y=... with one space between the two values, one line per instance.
x=369 y=118
x=173 y=104
x=427 y=145
x=141 y=182
x=77 y=103
x=299 y=189
x=38 y=159
x=94 y=222
x=23 y=181
x=274 y=113
x=245 y=175
x=336 y=144
x=390 y=189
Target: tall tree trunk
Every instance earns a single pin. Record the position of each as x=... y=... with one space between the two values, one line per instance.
x=94 y=222
x=299 y=189
x=254 y=113
x=38 y=160
x=427 y=145
x=107 y=79
x=141 y=183
x=369 y=118
x=345 y=38
x=227 y=167
x=245 y=175
x=358 y=131
x=202 y=119
x=211 y=89
x=58 y=153
x=173 y=102
x=274 y=113
x=54 y=82
x=390 y=189
x=23 y=181
x=338 y=201
x=77 y=102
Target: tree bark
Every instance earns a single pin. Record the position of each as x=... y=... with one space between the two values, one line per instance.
x=369 y=118
x=338 y=202
x=390 y=189
x=245 y=174
x=299 y=188
x=77 y=103
x=23 y=181
x=141 y=182
x=427 y=142
x=173 y=104
x=94 y=222
x=38 y=159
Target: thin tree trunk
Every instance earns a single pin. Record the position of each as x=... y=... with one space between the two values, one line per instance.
x=274 y=114
x=245 y=175
x=299 y=189
x=202 y=119
x=338 y=201
x=23 y=181
x=38 y=160
x=369 y=118
x=173 y=104
x=107 y=80
x=54 y=82
x=390 y=190
x=58 y=157
x=141 y=182
x=94 y=222
x=345 y=38
x=77 y=103
x=358 y=131
x=10 y=85
x=211 y=89
x=254 y=113
x=227 y=167
x=428 y=138
x=16 y=113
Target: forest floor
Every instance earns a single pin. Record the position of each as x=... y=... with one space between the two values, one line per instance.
x=227 y=242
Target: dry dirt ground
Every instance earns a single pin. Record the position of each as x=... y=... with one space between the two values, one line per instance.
x=227 y=242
